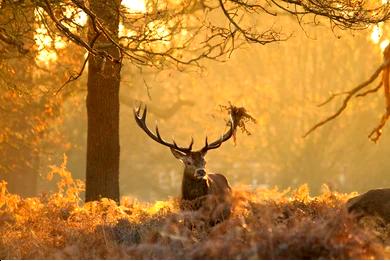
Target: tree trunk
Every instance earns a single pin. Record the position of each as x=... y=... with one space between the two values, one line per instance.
x=102 y=177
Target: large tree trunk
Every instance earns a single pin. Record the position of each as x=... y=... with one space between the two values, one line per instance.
x=103 y=109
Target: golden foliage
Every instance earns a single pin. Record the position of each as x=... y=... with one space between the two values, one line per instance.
x=264 y=224
x=27 y=129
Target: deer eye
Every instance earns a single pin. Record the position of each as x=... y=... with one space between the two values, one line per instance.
x=188 y=163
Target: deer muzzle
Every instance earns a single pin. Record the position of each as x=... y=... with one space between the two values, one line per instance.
x=200 y=173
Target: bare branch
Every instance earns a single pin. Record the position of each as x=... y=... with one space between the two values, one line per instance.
x=350 y=95
x=334 y=95
x=377 y=131
x=76 y=76
x=263 y=38
x=371 y=90
x=342 y=14
x=10 y=40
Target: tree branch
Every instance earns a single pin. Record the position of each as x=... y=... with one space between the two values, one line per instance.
x=350 y=94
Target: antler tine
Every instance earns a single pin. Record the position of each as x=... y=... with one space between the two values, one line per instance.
x=191 y=143
x=136 y=110
x=174 y=143
x=141 y=122
x=144 y=114
x=216 y=144
x=158 y=132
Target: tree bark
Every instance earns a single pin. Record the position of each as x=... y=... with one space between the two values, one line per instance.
x=102 y=177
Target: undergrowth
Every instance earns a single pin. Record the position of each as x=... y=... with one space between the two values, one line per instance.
x=265 y=224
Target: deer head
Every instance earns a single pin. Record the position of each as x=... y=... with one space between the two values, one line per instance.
x=195 y=176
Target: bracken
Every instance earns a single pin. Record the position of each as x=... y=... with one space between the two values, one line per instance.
x=264 y=224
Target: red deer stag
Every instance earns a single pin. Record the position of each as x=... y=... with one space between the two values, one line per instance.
x=197 y=185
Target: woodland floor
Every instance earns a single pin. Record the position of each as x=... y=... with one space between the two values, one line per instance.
x=265 y=224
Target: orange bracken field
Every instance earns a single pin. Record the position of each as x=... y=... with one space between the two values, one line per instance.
x=266 y=224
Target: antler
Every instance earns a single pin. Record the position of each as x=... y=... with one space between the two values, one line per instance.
x=225 y=137
x=141 y=121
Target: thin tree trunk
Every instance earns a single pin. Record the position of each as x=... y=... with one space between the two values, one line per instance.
x=102 y=177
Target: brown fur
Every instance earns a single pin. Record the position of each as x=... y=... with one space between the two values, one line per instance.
x=375 y=202
x=211 y=195
x=193 y=188
x=218 y=184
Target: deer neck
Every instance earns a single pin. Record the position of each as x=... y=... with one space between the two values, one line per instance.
x=192 y=187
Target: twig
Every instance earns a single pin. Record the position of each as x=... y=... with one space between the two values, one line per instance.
x=74 y=77
x=377 y=131
x=371 y=90
x=334 y=95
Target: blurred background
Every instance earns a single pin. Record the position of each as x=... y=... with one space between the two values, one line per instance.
x=280 y=84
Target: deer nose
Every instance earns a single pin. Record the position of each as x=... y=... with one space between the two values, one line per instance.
x=200 y=173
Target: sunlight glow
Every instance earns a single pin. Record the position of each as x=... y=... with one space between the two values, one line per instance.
x=377 y=35
x=157 y=206
x=45 y=57
x=44 y=42
x=125 y=32
x=59 y=43
x=384 y=44
x=46 y=45
x=159 y=30
x=135 y=6
x=161 y=34
x=377 y=32
x=79 y=17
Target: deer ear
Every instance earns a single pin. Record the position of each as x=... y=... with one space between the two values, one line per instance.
x=178 y=155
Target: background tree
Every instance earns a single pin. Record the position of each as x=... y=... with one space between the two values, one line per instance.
x=30 y=110
x=14 y=131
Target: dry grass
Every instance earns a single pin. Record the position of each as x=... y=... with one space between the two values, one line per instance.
x=265 y=224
